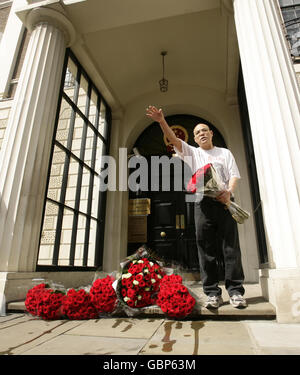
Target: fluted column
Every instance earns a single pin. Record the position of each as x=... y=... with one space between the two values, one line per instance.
x=274 y=102
x=26 y=148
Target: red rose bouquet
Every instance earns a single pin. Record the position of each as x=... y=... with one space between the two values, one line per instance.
x=200 y=179
x=103 y=295
x=207 y=182
x=44 y=302
x=33 y=297
x=174 y=298
x=139 y=282
x=77 y=305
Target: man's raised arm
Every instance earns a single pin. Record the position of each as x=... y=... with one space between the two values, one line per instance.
x=157 y=115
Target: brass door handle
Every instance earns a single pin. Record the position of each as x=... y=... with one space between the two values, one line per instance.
x=177 y=221
x=182 y=222
x=162 y=234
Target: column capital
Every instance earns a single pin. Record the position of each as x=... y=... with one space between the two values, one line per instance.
x=39 y=15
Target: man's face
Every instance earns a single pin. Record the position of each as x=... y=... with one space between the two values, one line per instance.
x=203 y=136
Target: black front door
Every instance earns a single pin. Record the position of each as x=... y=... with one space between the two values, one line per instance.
x=171 y=230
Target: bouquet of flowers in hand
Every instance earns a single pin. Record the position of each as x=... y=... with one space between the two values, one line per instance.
x=206 y=181
x=139 y=282
x=77 y=305
x=44 y=302
x=174 y=298
x=103 y=295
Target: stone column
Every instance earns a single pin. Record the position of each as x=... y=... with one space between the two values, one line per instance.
x=274 y=102
x=26 y=148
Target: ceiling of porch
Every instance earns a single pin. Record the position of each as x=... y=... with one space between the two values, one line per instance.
x=124 y=40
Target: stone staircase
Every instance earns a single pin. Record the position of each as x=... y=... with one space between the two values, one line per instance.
x=258 y=307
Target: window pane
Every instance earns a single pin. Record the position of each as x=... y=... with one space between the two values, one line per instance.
x=19 y=63
x=66 y=235
x=95 y=198
x=56 y=174
x=291 y=13
x=93 y=107
x=89 y=146
x=80 y=240
x=72 y=183
x=48 y=234
x=102 y=120
x=64 y=123
x=77 y=136
x=99 y=153
x=82 y=94
x=84 y=190
x=92 y=243
x=70 y=79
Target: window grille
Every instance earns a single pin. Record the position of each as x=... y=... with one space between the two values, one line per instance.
x=291 y=14
x=74 y=215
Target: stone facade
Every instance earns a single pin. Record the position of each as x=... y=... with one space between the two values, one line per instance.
x=4 y=115
x=28 y=126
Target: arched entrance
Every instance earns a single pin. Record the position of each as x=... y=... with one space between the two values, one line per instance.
x=170 y=224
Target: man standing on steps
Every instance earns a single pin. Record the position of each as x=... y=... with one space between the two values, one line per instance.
x=211 y=217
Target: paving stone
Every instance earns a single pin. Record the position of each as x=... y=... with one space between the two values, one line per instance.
x=25 y=331
x=118 y=327
x=200 y=337
x=84 y=345
x=10 y=316
x=59 y=330
x=272 y=334
x=22 y=318
x=278 y=351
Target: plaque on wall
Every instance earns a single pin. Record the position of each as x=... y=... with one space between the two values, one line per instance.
x=139 y=207
x=137 y=229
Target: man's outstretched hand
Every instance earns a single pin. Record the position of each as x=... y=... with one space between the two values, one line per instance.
x=154 y=113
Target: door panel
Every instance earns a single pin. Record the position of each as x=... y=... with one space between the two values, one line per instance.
x=171 y=230
x=164 y=213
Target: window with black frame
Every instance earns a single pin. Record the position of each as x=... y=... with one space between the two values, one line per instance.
x=291 y=14
x=73 y=221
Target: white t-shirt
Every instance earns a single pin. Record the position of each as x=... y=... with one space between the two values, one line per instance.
x=221 y=158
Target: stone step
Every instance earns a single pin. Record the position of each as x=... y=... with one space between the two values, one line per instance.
x=258 y=306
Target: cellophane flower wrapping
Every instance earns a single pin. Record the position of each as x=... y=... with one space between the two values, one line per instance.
x=44 y=302
x=139 y=283
x=77 y=305
x=143 y=282
x=206 y=182
x=174 y=298
x=103 y=295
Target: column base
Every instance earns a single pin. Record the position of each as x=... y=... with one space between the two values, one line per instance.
x=281 y=287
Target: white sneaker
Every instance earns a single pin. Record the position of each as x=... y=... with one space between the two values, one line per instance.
x=237 y=300
x=213 y=302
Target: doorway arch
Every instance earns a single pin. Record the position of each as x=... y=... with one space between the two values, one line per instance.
x=151 y=142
